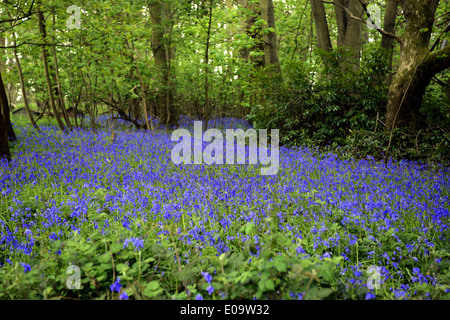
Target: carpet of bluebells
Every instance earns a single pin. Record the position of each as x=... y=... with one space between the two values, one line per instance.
x=140 y=227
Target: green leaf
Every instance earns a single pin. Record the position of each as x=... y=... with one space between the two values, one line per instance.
x=269 y=285
x=122 y=267
x=104 y=258
x=116 y=247
x=154 y=285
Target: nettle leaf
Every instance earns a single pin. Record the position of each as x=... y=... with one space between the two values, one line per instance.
x=122 y=267
x=116 y=247
x=104 y=258
x=152 y=286
x=266 y=285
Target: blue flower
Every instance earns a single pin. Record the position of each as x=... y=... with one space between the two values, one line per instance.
x=370 y=296
x=26 y=267
x=137 y=243
x=210 y=289
x=123 y=296
x=198 y=297
x=207 y=277
x=116 y=286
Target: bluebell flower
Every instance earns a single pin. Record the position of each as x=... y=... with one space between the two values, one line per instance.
x=210 y=289
x=207 y=277
x=123 y=296
x=138 y=244
x=26 y=267
x=198 y=297
x=116 y=286
x=370 y=296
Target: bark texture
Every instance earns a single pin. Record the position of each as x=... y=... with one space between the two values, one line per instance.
x=320 y=21
x=163 y=54
x=4 y=147
x=417 y=66
x=269 y=36
x=6 y=122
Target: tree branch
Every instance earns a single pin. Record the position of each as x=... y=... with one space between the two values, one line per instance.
x=20 y=18
x=439 y=60
x=35 y=44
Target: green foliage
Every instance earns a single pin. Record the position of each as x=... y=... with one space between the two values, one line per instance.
x=339 y=110
x=314 y=110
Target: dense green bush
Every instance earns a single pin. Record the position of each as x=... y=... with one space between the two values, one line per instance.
x=334 y=106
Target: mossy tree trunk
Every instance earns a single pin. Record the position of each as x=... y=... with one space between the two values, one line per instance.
x=417 y=66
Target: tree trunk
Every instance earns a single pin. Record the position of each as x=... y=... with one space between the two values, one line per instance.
x=5 y=112
x=58 y=81
x=387 y=43
x=320 y=20
x=149 y=124
x=4 y=147
x=269 y=37
x=389 y=24
x=416 y=66
x=341 y=21
x=24 y=91
x=162 y=54
x=4 y=105
x=46 y=68
x=353 y=34
x=208 y=40
x=253 y=32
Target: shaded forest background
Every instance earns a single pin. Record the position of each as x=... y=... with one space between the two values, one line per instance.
x=313 y=69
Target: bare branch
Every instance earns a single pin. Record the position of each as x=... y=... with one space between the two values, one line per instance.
x=35 y=44
x=29 y=13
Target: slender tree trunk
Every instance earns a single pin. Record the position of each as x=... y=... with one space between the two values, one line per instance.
x=58 y=81
x=144 y=98
x=252 y=31
x=387 y=43
x=208 y=38
x=72 y=103
x=24 y=91
x=162 y=54
x=46 y=68
x=270 y=37
x=389 y=24
x=297 y=34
